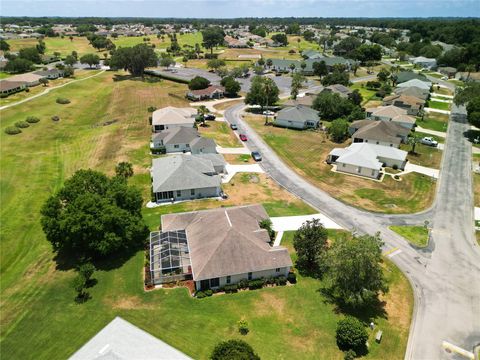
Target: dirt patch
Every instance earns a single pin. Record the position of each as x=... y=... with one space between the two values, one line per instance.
x=227 y=104
x=270 y=303
x=127 y=303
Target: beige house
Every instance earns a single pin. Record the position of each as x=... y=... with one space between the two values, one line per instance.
x=391 y=113
x=171 y=117
x=30 y=79
x=378 y=132
x=215 y=248
x=412 y=104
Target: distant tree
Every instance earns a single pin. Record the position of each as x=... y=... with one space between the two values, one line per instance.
x=280 y=38
x=269 y=62
x=332 y=106
x=86 y=270
x=309 y=35
x=41 y=47
x=134 y=59
x=215 y=64
x=18 y=65
x=354 y=270
x=124 y=170
x=383 y=75
x=185 y=61
x=366 y=53
x=75 y=54
x=57 y=54
x=320 y=68
x=198 y=83
x=94 y=216
x=351 y=335
x=90 y=59
x=31 y=54
x=338 y=130
x=263 y=92
x=69 y=71
x=233 y=350
x=293 y=29
x=261 y=62
x=298 y=81
x=4 y=46
x=473 y=111
x=336 y=77
x=71 y=38
x=355 y=97
x=166 y=60
x=310 y=243
x=43 y=81
x=212 y=37
x=232 y=87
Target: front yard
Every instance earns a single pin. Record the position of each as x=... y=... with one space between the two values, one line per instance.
x=428 y=156
x=438 y=105
x=220 y=132
x=306 y=152
x=436 y=121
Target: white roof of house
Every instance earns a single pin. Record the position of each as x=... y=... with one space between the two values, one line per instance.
x=415 y=83
x=173 y=115
x=423 y=59
x=121 y=340
x=366 y=155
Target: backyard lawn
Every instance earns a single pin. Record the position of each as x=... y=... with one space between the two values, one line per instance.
x=367 y=94
x=306 y=152
x=417 y=235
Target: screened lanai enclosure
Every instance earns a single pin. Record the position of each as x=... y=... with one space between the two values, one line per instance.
x=169 y=257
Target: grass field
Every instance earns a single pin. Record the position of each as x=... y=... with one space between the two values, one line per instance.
x=437 y=122
x=438 y=105
x=57 y=44
x=368 y=95
x=221 y=133
x=417 y=235
x=424 y=155
x=306 y=152
x=4 y=75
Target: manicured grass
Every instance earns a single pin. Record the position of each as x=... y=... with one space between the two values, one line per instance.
x=428 y=156
x=434 y=122
x=366 y=93
x=64 y=46
x=438 y=105
x=417 y=235
x=476 y=189
x=4 y=75
x=221 y=133
x=306 y=152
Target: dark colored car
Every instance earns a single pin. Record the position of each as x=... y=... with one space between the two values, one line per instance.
x=209 y=117
x=243 y=137
x=256 y=156
x=233 y=126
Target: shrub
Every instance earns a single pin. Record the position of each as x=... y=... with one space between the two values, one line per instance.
x=151 y=109
x=231 y=288
x=395 y=167
x=243 y=284
x=22 y=124
x=208 y=292
x=63 y=101
x=32 y=119
x=256 y=284
x=160 y=150
x=12 y=130
x=350 y=355
x=270 y=280
x=351 y=334
x=281 y=280
x=55 y=118
x=243 y=327
x=233 y=350
x=292 y=278
x=200 y=295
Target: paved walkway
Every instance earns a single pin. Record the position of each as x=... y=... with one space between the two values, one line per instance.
x=431 y=132
x=427 y=109
x=239 y=150
x=234 y=169
x=292 y=223
x=409 y=167
x=47 y=90
x=441 y=100
x=441 y=95
x=210 y=104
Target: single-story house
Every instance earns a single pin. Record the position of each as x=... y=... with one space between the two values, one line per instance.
x=8 y=87
x=235 y=43
x=366 y=159
x=424 y=85
x=30 y=79
x=404 y=76
x=215 y=248
x=170 y=117
x=339 y=89
x=378 y=132
x=283 y=65
x=50 y=73
x=427 y=63
x=412 y=104
x=218 y=161
x=184 y=177
x=312 y=54
x=122 y=340
x=211 y=92
x=182 y=139
x=447 y=71
x=391 y=113
x=413 y=91
x=306 y=100
x=297 y=117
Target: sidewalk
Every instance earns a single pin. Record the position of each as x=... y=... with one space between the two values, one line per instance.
x=232 y=170
x=239 y=150
x=427 y=109
x=210 y=104
x=409 y=167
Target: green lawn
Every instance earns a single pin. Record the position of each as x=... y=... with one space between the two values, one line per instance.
x=4 y=75
x=417 y=235
x=366 y=93
x=64 y=46
x=433 y=122
x=438 y=105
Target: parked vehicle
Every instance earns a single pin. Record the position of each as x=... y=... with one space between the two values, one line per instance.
x=209 y=117
x=268 y=113
x=429 y=141
x=256 y=156
x=233 y=126
x=243 y=137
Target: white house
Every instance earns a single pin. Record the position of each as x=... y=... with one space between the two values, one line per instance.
x=170 y=117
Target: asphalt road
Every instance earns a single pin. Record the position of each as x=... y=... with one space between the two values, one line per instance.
x=445 y=276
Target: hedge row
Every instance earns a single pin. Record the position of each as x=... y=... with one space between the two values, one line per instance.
x=167 y=77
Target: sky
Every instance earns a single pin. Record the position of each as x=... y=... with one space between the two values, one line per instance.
x=241 y=8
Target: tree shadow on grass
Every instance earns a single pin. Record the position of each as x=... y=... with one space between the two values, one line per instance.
x=471 y=135
x=146 y=79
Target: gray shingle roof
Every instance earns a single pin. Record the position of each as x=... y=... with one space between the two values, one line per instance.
x=202 y=143
x=179 y=135
x=227 y=241
x=379 y=130
x=183 y=172
x=299 y=114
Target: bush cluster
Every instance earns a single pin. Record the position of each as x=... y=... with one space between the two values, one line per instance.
x=55 y=118
x=292 y=278
x=159 y=151
x=32 y=119
x=151 y=109
x=63 y=101
x=12 y=130
x=22 y=124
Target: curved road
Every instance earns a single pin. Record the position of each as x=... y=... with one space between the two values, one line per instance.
x=445 y=276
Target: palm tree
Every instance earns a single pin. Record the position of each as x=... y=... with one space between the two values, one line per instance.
x=469 y=68
x=292 y=67
x=269 y=63
x=185 y=60
x=201 y=112
x=413 y=140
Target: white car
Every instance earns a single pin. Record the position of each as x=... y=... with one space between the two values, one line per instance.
x=429 y=141
x=268 y=113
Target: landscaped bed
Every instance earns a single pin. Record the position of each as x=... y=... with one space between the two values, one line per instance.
x=306 y=152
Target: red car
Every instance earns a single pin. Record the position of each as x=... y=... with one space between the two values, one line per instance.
x=243 y=137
